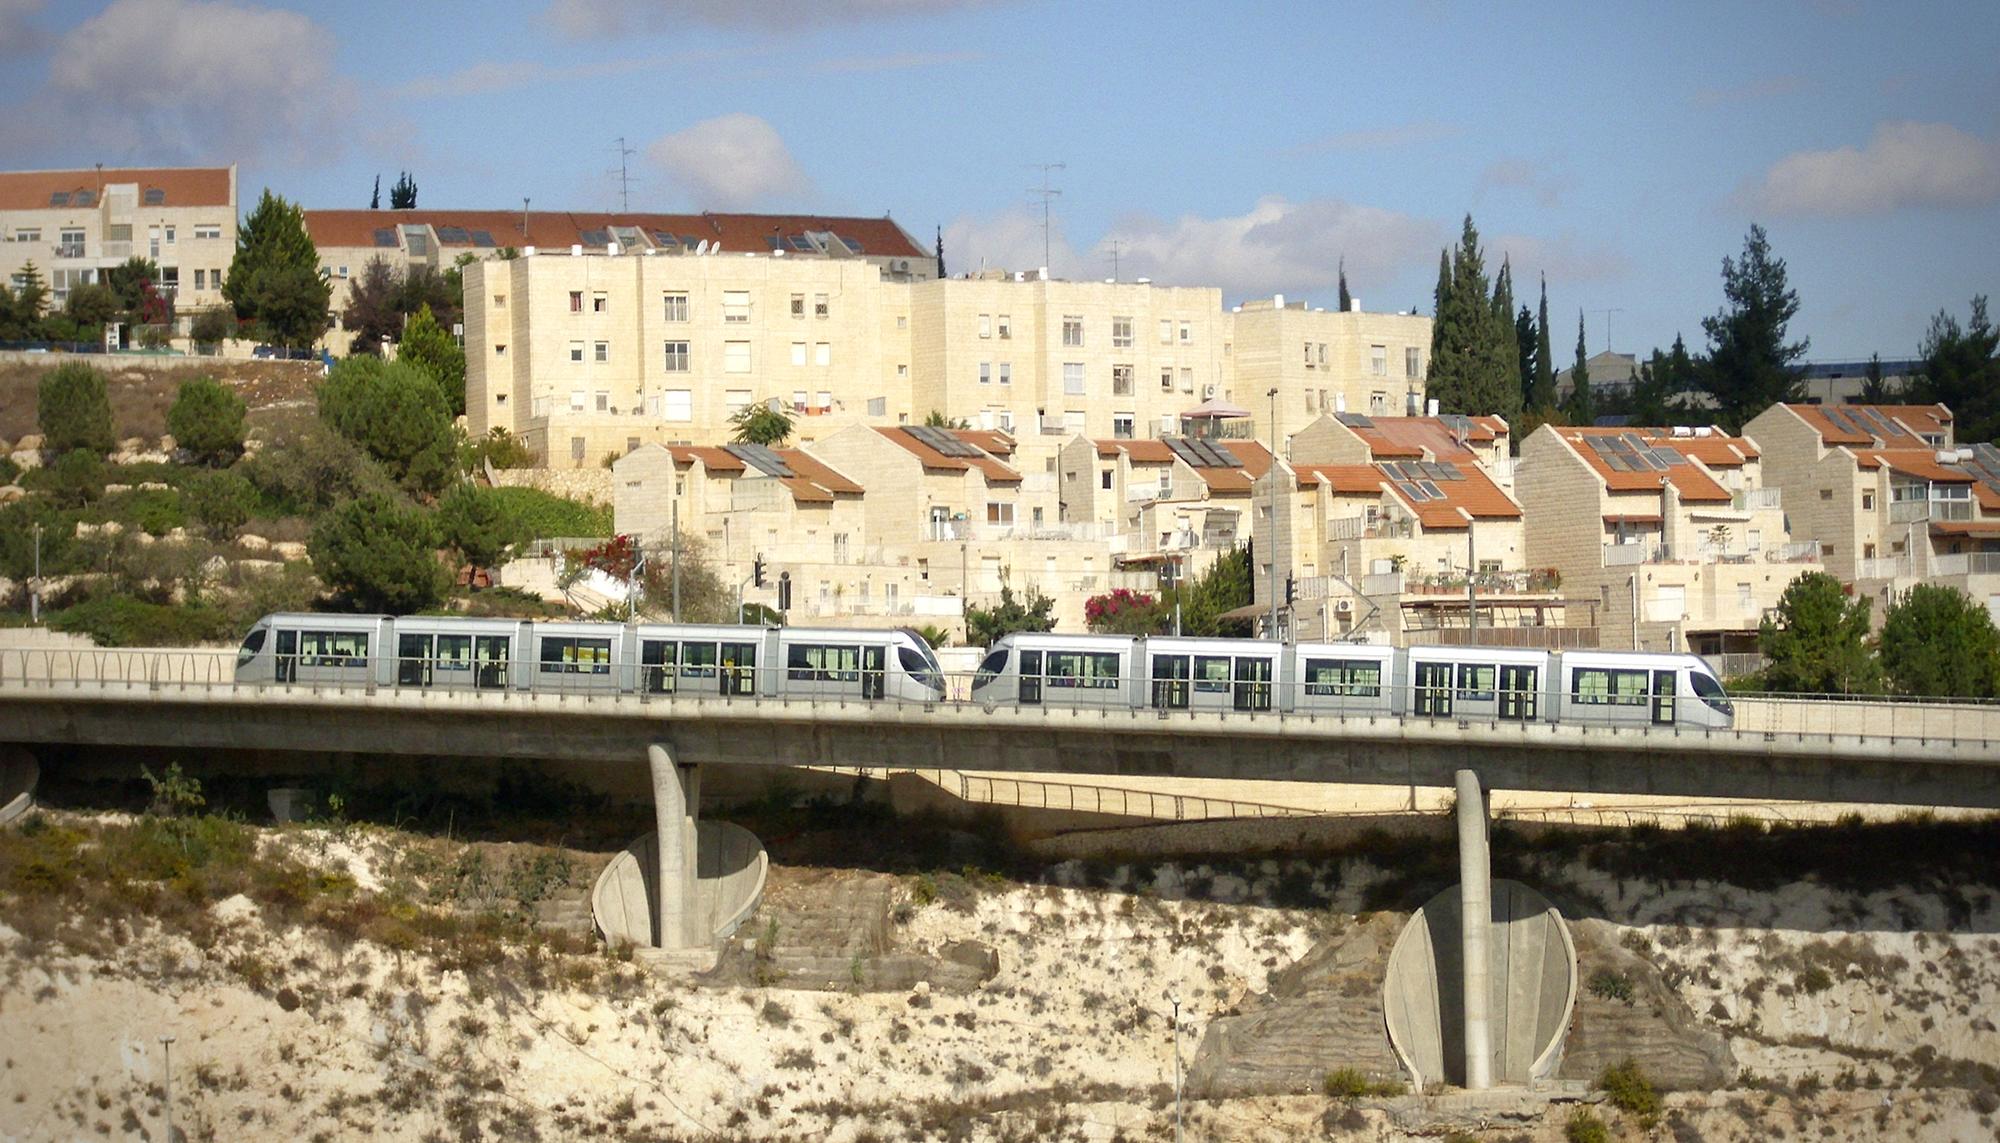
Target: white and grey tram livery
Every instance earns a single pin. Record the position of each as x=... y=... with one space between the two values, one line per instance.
x=1485 y=683
x=575 y=657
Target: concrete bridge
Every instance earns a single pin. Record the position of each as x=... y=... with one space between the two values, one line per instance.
x=1867 y=752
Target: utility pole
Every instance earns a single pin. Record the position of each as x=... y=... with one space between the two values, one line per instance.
x=624 y=175
x=1115 y=245
x=1273 y=538
x=524 y=220
x=1046 y=193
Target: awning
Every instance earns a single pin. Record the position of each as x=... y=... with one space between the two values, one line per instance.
x=1216 y=410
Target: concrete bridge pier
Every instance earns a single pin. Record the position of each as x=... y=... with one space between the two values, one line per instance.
x=676 y=800
x=1475 y=884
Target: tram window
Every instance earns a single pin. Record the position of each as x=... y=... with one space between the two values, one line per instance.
x=1711 y=692
x=1604 y=686
x=697 y=660
x=739 y=666
x=333 y=648
x=1475 y=682
x=454 y=652
x=919 y=668
x=1211 y=674
x=1358 y=678
x=252 y=643
x=990 y=668
x=1089 y=669
x=566 y=656
x=837 y=663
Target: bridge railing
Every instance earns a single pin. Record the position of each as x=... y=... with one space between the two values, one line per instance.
x=1789 y=716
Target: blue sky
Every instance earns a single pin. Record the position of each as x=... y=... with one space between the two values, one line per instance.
x=1623 y=150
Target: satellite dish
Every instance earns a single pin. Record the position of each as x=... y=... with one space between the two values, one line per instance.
x=701 y=247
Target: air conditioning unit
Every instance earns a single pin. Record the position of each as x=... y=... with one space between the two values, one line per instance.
x=1208 y=392
x=1343 y=607
x=899 y=266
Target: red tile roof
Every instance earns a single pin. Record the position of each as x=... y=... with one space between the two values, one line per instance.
x=1906 y=424
x=811 y=469
x=1476 y=495
x=996 y=470
x=812 y=482
x=1140 y=452
x=560 y=229
x=1343 y=478
x=1982 y=529
x=1694 y=485
x=182 y=186
x=1921 y=463
x=996 y=441
x=1415 y=438
x=714 y=458
x=1707 y=444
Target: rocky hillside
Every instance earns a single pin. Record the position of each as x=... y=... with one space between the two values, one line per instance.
x=906 y=980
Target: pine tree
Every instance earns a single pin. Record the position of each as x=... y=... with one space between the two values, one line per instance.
x=1346 y=299
x=1581 y=410
x=275 y=277
x=1545 y=362
x=403 y=196
x=375 y=200
x=1961 y=368
x=1873 y=391
x=1749 y=364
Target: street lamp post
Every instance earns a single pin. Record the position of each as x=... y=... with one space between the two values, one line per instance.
x=1273 y=538
x=35 y=589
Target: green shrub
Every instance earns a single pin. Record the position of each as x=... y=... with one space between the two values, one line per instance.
x=153 y=511
x=1813 y=980
x=1629 y=1090
x=1583 y=1126
x=382 y=554
x=499 y=448
x=72 y=481
x=122 y=621
x=1608 y=985
x=1350 y=1084
x=207 y=420
x=541 y=515
x=220 y=502
x=74 y=410
x=8 y=470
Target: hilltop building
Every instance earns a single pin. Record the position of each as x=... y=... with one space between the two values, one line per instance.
x=73 y=225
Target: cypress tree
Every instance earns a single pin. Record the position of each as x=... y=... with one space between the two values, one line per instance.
x=1524 y=343
x=1346 y=299
x=1503 y=388
x=1581 y=410
x=940 y=253
x=375 y=200
x=1545 y=366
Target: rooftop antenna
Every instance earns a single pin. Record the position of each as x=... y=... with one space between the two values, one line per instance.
x=524 y=218
x=1046 y=193
x=1115 y=245
x=624 y=176
x=1607 y=324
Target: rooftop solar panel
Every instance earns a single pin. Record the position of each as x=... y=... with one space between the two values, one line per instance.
x=453 y=234
x=941 y=441
x=155 y=196
x=760 y=458
x=83 y=198
x=59 y=198
x=385 y=236
x=595 y=237
x=482 y=238
x=1354 y=420
x=853 y=244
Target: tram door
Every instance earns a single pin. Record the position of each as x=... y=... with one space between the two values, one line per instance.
x=1663 y=698
x=413 y=660
x=286 y=657
x=1433 y=689
x=1031 y=677
x=656 y=665
x=1253 y=683
x=871 y=672
x=1170 y=682
x=490 y=654
x=1517 y=692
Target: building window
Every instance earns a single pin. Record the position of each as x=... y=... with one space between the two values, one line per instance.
x=986 y=325
x=201 y=279
x=736 y=306
x=878 y=406
x=28 y=234
x=1413 y=362
x=1007 y=420
x=798 y=353
x=1005 y=325
x=1121 y=425
x=1187 y=333
x=499 y=301
x=576 y=352
x=677 y=357
x=676 y=306
x=1322 y=355
x=601 y=351
x=599 y=303
x=1072 y=331
x=576 y=448
x=1867 y=501
x=1187 y=380
x=576 y=301
x=1166 y=332
x=1121 y=380
x=203 y=231
x=1826 y=494
x=820 y=309
x=736 y=357
x=999 y=515
x=1121 y=333
x=1378 y=360
x=985 y=372
x=1073 y=377
x=799 y=400
x=603 y=402
x=822 y=353
x=735 y=401
x=1167 y=379
x=500 y=350
x=1309 y=354
x=677 y=405
x=798 y=305
x=1104 y=480
x=1378 y=404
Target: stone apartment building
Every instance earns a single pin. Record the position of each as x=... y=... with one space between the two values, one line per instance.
x=1323 y=362
x=1671 y=531
x=73 y=225
x=440 y=239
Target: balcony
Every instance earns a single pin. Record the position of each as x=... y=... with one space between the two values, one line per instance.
x=1360 y=528
x=1752 y=499
x=1911 y=511
x=1519 y=581
x=1966 y=563
x=1151 y=490
x=69 y=250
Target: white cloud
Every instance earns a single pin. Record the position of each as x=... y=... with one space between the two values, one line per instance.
x=1277 y=247
x=1904 y=165
x=1564 y=258
x=181 y=80
x=1383 y=138
x=20 y=34
x=586 y=19
x=1011 y=240
x=731 y=162
x=1540 y=179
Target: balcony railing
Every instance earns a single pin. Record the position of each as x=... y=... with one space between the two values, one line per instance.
x=1359 y=528
x=1752 y=499
x=69 y=249
x=1966 y=563
x=1518 y=580
x=1911 y=511
x=1629 y=555
x=1151 y=490
x=1882 y=567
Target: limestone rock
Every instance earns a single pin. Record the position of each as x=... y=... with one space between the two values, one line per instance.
x=1655 y=1028
x=26 y=457
x=11 y=492
x=252 y=542
x=30 y=443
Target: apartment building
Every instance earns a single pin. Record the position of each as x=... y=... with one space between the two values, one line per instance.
x=1397 y=528
x=744 y=500
x=1670 y=530
x=73 y=225
x=439 y=239
x=1176 y=499
x=591 y=355
x=1324 y=362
